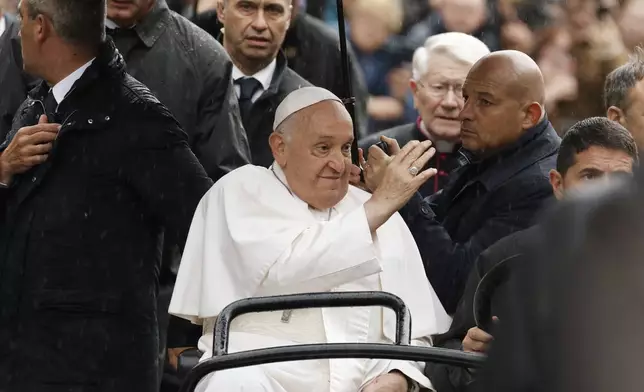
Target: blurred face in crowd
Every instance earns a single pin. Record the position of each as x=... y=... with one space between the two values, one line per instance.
x=314 y=150
x=127 y=13
x=438 y=95
x=632 y=117
x=463 y=16
x=593 y=164
x=254 y=29
x=368 y=31
x=496 y=111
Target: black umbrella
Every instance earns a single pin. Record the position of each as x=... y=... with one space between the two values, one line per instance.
x=349 y=100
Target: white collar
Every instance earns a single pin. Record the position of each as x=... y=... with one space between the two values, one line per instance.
x=110 y=24
x=264 y=76
x=3 y=24
x=62 y=88
x=281 y=176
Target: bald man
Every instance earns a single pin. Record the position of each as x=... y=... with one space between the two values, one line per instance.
x=508 y=148
x=297 y=227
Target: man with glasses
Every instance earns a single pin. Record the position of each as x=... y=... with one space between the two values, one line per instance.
x=439 y=70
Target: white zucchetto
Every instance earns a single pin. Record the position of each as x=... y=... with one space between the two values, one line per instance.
x=300 y=99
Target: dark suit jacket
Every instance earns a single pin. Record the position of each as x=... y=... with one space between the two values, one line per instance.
x=259 y=123
x=514 y=249
x=14 y=83
x=484 y=201
x=80 y=237
x=312 y=50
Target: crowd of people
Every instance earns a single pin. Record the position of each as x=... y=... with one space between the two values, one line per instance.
x=162 y=159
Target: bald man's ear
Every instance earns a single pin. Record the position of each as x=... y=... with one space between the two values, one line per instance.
x=616 y=114
x=533 y=114
x=277 y=141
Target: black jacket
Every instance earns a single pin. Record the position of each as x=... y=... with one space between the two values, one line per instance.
x=259 y=123
x=483 y=202
x=189 y=72
x=444 y=162
x=80 y=238
x=312 y=50
x=492 y=298
x=14 y=83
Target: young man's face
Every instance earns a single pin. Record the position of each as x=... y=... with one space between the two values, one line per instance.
x=593 y=164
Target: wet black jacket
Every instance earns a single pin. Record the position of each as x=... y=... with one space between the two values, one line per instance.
x=14 y=83
x=484 y=201
x=189 y=72
x=80 y=237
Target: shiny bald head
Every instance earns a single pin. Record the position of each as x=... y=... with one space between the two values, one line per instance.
x=505 y=97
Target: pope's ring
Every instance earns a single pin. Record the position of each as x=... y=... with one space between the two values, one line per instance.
x=413 y=170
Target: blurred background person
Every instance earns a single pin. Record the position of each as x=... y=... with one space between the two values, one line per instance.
x=624 y=95
x=592 y=150
x=439 y=71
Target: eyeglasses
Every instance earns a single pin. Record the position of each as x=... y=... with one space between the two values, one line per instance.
x=440 y=90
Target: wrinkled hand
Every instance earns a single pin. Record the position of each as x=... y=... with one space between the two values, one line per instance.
x=477 y=340
x=398 y=184
x=173 y=356
x=29 y=147
x=390 y=382
x=374 y=168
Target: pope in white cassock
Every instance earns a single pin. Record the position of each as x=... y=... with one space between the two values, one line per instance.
x=299 y=227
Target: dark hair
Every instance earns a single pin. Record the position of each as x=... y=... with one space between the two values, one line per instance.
x=622 y=79
x=594 y=131
x=79 y=22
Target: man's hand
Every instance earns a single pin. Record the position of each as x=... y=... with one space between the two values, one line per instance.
x=477 y=340
x=30 y=147
x=173 y=355
x=374 y=168
x=399 y=183
x=390 y=382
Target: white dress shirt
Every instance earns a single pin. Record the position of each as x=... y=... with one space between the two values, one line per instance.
x=264 y=77
x=62 y=88
x=3 y=24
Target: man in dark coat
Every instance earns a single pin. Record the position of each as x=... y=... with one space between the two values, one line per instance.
x=84 y=207
x=508 y=150
x=260 y=73
x=189 y=72
x=15 y=82
x=590 y=150
x=440 y=67
x=312 y=50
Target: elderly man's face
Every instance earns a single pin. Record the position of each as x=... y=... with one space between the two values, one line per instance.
x=254 y=29
x=126 y=13
x=593 y=164
x=438 y=96
x=315 y=153
x=492 y=116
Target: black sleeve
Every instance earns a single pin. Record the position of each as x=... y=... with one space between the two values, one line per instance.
x=448 y=262
x=220 y=143
x=165 y=173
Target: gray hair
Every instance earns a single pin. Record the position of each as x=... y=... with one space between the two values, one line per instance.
x=460 y=47
x=79 y=22
x=619 y=82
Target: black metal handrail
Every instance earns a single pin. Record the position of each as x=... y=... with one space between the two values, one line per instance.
x=312 y=300
x=329 y=351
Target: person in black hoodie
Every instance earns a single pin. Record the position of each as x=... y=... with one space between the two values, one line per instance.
x=439 y=70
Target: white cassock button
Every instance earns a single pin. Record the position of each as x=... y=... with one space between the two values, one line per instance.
x=90 y=121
